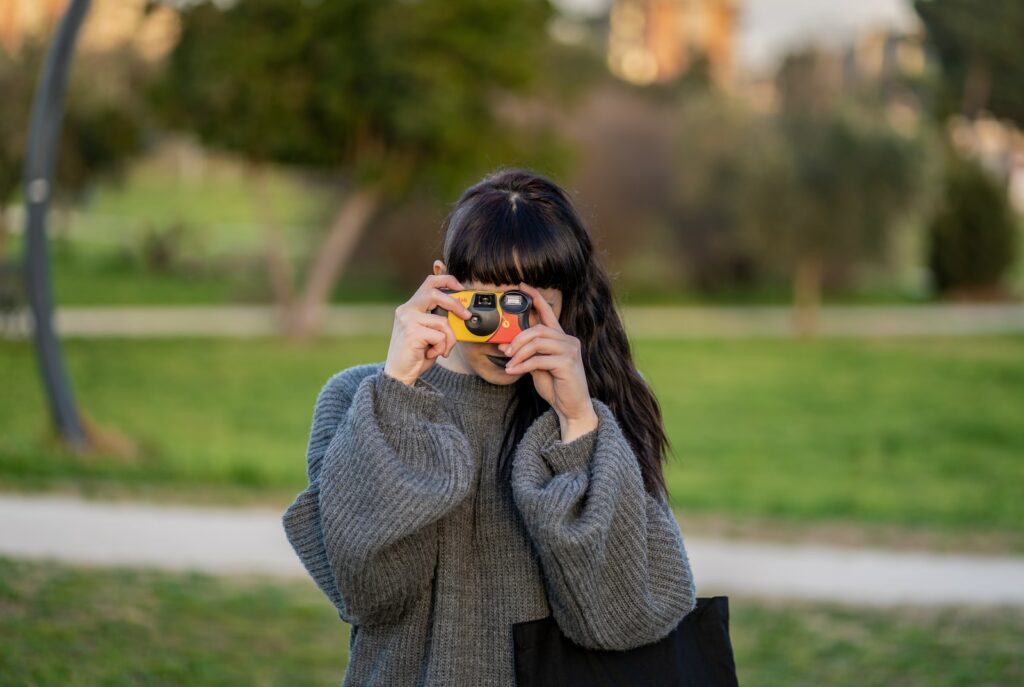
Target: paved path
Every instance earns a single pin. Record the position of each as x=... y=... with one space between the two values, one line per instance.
x=227 y=540
x=667 y=321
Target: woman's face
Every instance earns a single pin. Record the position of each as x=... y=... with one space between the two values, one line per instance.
x=476 y=358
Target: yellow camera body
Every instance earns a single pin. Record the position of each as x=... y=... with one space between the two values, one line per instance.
x=495 y=316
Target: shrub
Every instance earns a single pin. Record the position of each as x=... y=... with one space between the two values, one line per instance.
x=972 y=237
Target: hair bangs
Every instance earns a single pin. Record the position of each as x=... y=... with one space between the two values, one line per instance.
x=486 y=238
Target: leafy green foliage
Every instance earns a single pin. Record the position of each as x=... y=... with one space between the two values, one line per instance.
x=378 y=89
x=978 y=47
x=851 y=177
x=722 y=146
x=973 y=236
x=753 y=194
x=103 y=125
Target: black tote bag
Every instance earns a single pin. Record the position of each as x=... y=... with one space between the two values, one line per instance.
x=697 y=653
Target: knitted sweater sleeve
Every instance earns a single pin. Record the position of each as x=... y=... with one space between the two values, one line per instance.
x=385 y=463
x=613 y=558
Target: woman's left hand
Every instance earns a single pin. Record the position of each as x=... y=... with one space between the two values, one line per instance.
x=555 y=361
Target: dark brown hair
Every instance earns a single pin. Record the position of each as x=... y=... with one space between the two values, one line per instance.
x=514 y=212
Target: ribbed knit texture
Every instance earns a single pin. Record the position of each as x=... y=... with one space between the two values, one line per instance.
x=406 y=528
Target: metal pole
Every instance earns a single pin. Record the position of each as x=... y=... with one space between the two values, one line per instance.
x=40 y=161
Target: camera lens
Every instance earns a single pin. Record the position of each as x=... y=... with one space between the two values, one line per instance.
x=514 y=302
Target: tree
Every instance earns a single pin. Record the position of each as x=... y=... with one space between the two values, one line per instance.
x=845 y=181
x=721 y=146
x=803 y=194
x=103 y=127
x=973 y=236
x=851 y=180
x=386 y=96
x=978 y=49
x=972 y=246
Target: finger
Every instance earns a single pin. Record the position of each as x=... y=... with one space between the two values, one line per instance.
x=547 y=346
x=436 y=350
x=520 y=339
x=544 y=312
x=449 y=336
x=432 y=298
x=425 y=301
x=539 y=362
x=442 y=325
x=439 y=280
x=427 y=334
x=430 y=283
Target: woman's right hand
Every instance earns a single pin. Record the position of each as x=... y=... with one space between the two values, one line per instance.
x=419 y=336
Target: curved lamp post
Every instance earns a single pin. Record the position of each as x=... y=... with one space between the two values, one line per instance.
x=40 y=160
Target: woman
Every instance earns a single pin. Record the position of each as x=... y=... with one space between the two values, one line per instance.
x=458 y=488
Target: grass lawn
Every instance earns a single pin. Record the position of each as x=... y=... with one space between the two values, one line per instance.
x=213 y=198
x=83 y=626
x=216 y=199
x=73 y=626
x=111 y=273
x=916 y=432
x=99 y=276
x=96 y=249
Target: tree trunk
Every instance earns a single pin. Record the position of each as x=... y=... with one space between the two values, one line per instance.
x=806 y=294
x=4 y=233
x=279 y=268
x=977 y=85
x=306 y=317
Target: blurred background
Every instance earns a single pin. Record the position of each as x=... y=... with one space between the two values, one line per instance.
x=812 y=213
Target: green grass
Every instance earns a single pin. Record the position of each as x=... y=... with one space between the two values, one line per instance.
x=205 y=411
x=112 y=272
x=100 y=276
x=217 y=196
x=96 y=249
x=85 y=274
x=88 y=273
x=804 y=644
x=73 y=626
x=911 y=431
x=914 y=431
x=222 y=212
x=76 y=626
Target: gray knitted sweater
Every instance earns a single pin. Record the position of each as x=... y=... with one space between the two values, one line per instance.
x=431 y=559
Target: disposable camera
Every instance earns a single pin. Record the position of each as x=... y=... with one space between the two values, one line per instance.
x=495 y=316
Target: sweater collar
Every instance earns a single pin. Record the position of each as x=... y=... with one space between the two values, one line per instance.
x=469 y=387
